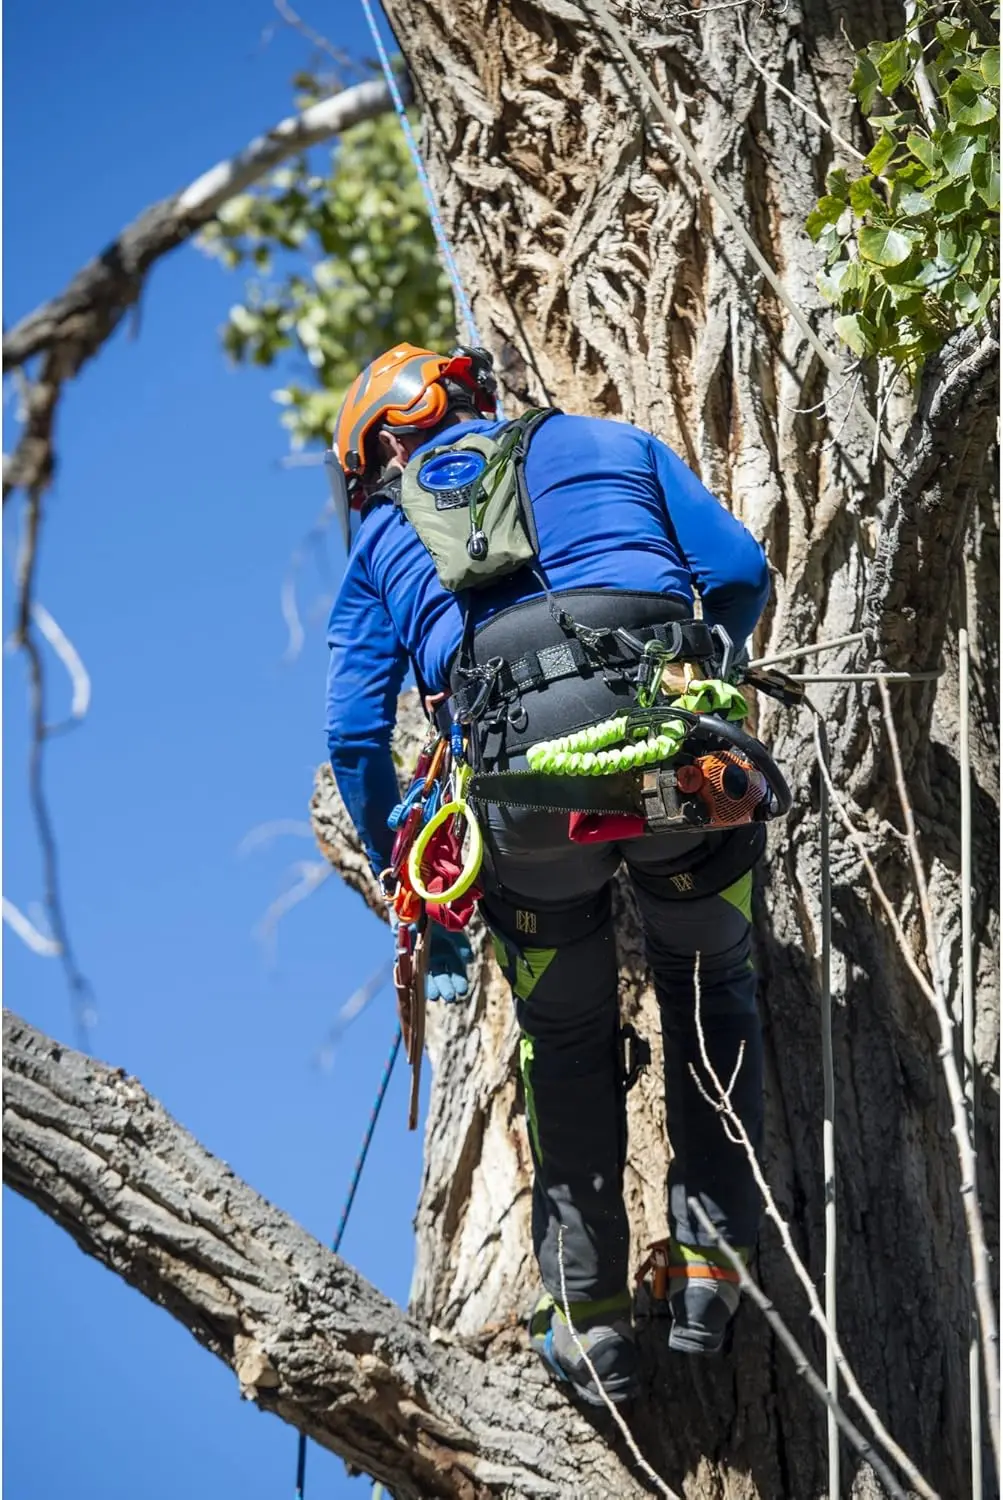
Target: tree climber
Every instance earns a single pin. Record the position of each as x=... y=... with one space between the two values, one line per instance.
x=625 y=534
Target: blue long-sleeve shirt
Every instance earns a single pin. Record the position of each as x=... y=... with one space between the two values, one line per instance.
x=615 y=509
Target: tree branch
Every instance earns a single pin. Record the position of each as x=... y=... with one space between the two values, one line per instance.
x=71 y=328
x=307 y=1337
x=91 y=306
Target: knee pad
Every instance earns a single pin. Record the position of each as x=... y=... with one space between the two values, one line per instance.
x=554 y=925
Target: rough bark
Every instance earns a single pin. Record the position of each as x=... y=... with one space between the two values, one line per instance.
x=606 y=281
x=305 y=1335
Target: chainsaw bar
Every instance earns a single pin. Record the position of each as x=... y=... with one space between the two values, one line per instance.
x=540 y=792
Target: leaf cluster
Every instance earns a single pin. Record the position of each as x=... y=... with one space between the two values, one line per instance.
x=912 y=243
x=344 y=266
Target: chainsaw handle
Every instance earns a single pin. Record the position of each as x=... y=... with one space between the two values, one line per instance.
x=705 y=726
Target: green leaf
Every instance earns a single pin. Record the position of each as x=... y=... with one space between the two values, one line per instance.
x=952 y=199
x=893 y=65
x=827 y=211
x=912 y=203
x=923 y=150
x=837 y=184
x=856 y=331
x=933 y=273
x=966 y=105
x=986 y=294
x=990 y=65
x=881 y=153
x=986 y=177
x=894 y=122
x=864 y=83
x=966 y=299
x=885 y=247
x=863 y=198
x=958 y=151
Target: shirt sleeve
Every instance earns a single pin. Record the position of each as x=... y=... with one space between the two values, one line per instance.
x=366 y=670
x=727 y=564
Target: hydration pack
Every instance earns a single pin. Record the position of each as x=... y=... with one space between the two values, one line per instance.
x=468 y=501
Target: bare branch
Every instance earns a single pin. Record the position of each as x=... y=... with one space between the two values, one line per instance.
x=967 y=1162
x=306 y=1336
x=802 y=1364
x=315 y=38
x=309 y=875
x=81 y=994
x=70 y=657
x=625 y=1431
x=45 y=947
x=89 y=310
x=741 y=1136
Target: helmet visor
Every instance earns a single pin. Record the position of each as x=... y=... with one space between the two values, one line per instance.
x=339 y=496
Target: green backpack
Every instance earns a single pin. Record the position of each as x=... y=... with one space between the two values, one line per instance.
x=468 y=502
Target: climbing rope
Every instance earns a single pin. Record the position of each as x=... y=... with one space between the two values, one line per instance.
x=441 y=239
x=339 y=1233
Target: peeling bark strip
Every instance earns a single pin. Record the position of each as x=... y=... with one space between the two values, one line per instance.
x=306 y=1336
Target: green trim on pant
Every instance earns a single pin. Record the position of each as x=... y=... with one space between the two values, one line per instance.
x=523 y=968
x=525 y=1063
x=739 y=895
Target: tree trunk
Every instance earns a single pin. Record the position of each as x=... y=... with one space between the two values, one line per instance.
x=608 y=282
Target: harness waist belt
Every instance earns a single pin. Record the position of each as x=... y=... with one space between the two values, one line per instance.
x=684 y=640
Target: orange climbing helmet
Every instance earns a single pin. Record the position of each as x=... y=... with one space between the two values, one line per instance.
x=408 y=389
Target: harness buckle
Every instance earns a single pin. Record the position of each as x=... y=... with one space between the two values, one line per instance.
x=467 y=711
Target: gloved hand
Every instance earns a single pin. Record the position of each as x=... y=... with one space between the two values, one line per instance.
x=449 y=957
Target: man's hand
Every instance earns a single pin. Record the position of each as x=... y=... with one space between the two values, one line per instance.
x=449 y=957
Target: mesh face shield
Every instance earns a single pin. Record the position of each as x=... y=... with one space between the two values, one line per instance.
x=340 y=500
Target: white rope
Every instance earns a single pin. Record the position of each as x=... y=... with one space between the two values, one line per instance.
x=968 y=1003
x=828 y=1113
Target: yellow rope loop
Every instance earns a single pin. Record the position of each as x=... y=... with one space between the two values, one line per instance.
x=473 y=858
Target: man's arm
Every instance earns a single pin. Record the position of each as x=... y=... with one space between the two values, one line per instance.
x=365 y=674
x=727 y=563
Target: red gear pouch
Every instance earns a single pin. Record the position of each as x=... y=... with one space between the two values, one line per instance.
x=604 y=828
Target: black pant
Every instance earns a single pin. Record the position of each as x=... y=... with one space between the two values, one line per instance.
x=548 y=904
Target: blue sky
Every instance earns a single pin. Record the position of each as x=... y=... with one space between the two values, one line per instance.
x=168 y=532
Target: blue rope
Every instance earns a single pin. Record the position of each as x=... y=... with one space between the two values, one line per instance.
x=339 y=1233
x=452 y=270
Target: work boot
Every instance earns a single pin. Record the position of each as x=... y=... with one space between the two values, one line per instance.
x=703 y=1297
x=605 y=1332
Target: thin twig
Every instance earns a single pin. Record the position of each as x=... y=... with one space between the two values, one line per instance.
x=81 y=994
x=802 y=1364
x=982 y=1286
x=628 y=1436
x=315 y=38
x=70 y=657
x=865 y=1408
x=45 y=947
x=310 y=875
x=779 y=87
x=797 y=652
